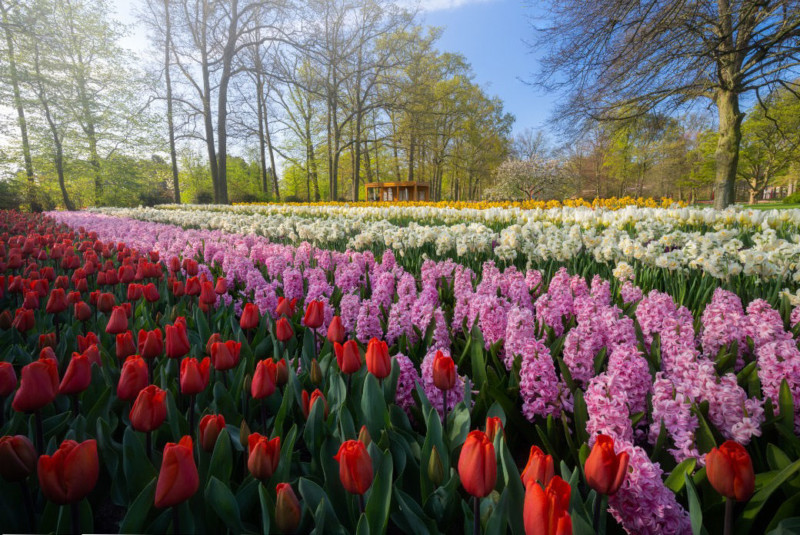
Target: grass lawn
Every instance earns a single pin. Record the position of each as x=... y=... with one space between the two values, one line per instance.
x=771 y=206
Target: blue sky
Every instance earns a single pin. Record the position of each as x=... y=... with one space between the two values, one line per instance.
x=490 y=34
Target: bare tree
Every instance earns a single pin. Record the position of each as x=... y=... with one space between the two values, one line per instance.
x=624 y=58
x=14 y=77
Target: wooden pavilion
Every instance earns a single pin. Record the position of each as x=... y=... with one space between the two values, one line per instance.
x=397 y=191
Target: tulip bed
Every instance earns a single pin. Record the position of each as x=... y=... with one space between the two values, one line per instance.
x=160 y=379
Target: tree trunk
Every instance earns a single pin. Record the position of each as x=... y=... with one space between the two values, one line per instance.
x=727 y=154
x=208 y=123
x=357 y=158
x=411 y=159
x=59 y=163
x=170 y=119
x=260 y=112
x=23 y=125
x=271 y=152
x=752 y=196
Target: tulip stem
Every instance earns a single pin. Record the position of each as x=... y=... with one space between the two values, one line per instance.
x=57 y=324
x=148 y=445
x=2 y=411
x=75 y=405
x=26 y=497
x=150 y=365
x=361 y=503
x=476 y=516
x=264 y=415
x=39 y=433
x=444 y=412
x=599 y=521
x=728 y=529
x=75 y=517
x=191 y=416
x=176 y=521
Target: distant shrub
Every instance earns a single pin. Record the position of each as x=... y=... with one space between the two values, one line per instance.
x=292 y=198
x=203 y=197
x=794 y=198
x=155 y=196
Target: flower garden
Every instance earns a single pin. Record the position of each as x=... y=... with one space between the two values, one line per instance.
x=421 y=369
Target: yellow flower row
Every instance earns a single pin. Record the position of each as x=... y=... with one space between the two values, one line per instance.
x=612 y=203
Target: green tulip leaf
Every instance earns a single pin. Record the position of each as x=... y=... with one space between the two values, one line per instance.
x=223 y=502
x=222 y=459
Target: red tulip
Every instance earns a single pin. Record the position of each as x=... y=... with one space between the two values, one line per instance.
x=193 y=286
x=133 y=378
x=348 y=356
x=17 y=458
x=730 y=471
x=74 y=297
x=38 y=386
x=23 y=320
x=82 y=311
x=207 y=295
x=149 y=410
x=546 y=511
x=282 y=373
x=174 y=264
x=151 y=343
x=6 y=320
x=444 y=371
x=194 y=375
x=605 y=471
x=178 y=289
x=222 y=286
x=540 y=468
x=47 y=340
x=378 y=362
x=355 y=467
x=264 y=378
x=225 y=356
x=264 y=455
x=135 y=291
x=211 y=425
x=126 y=275
x=309 y=401
x=71 y=473
x=124 y=345
x=78 y=376
x=494 y=426
x=250 y=316
x=283 y=329
x=85 y=341
x=8 y=379
x=178 y=479
x=48 y=353
x=477 y=464
x=213 y=339
x=315 y=314
x=287 y=509
x=105 y=302
x=177 y=339
x=190 y=266
x=57 y=301
x=93 y=354
x=285 y=307
x=118 y=322
x=150 y=293
x=336 y=330
x=31 y=301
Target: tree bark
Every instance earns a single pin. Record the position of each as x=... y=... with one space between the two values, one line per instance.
x=260 y=113
x=170 y=118
x=33 y=203
x=727 y=153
